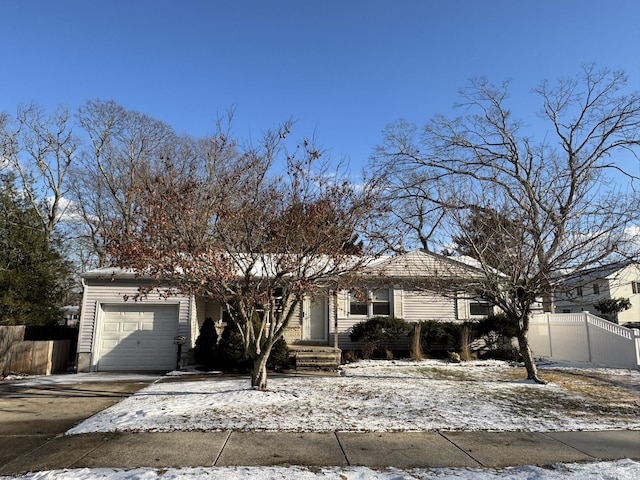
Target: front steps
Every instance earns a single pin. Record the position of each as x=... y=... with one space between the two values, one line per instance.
x=316 y=356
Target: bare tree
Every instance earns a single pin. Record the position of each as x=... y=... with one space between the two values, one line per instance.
x=41 y=148
x=255 y=229
x=561 y=203
x=123 y=146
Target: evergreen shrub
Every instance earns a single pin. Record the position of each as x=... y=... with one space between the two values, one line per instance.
x=380 y=335
x=228 y=354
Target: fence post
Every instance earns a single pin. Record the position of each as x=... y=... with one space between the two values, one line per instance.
x=586 y=326
x=548 y=317
x=636 y=338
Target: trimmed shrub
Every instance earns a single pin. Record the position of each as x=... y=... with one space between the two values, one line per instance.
x=228 y=354
x=380 y=335
x=230 y=351
x=440 y=338
x=279 y=357
x=497 y=331
x=203 y=352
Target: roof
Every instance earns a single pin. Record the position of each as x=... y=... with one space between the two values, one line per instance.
x=422 y=263
x=415 y=264
x=111 y=272
x=603 y=271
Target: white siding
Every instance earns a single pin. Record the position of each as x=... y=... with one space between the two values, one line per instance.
x=99 y=292
x=410 y=305
x=420 y=306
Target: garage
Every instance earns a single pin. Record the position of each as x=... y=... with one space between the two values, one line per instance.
x=137 y=337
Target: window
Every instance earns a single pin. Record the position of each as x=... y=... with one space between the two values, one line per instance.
x=479 y=307
x=378 y=304
x=579 y=291
x=596 y=289
x=635 y=287
x=229 y=316
x=357 y=306
x=380 y=301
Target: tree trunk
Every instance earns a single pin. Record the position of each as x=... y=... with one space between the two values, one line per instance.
x=259 y=373
x=527 y=357
x=416 y=345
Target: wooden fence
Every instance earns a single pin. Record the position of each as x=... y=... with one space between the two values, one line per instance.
x=31 y=357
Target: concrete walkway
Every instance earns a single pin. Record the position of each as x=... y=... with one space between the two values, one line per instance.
x=33 y=420
x=32 y=453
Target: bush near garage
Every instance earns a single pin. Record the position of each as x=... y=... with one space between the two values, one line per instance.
x=228 y=354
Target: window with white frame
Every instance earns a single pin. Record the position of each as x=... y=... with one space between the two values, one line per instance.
x=596 y=289
x=381 y=306
x=357 y=306
x=377 y=303
x=635 y=287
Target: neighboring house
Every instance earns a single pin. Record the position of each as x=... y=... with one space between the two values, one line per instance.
x=579 y=293
x=70 y=315
x=117 y=333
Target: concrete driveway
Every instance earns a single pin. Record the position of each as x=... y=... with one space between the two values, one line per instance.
x=33 y=413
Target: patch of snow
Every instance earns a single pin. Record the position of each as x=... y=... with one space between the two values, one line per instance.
x=371 y=396
x=619 y=470
x=74 y=378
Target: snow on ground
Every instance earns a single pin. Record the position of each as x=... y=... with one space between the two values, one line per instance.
x=367 y=396
x=68 y=378
x=618 y=470
x=370 y=396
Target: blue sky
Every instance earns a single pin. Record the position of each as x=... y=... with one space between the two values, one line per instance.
x=343 y=69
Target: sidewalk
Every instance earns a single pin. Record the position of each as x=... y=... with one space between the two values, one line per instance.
x=29 y=453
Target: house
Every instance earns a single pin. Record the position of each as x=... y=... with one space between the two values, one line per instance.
x=117 y=333
x=581 y=292
x=70 y=315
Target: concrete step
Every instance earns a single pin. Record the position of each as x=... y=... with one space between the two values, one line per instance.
x=324 y=358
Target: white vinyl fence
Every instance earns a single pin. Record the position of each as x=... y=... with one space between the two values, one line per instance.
x=582 y=337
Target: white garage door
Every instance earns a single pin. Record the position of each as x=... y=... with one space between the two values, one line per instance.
x=138 y=337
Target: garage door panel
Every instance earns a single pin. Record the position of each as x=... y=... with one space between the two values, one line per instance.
x=108 y=344
x=138 y=337
x=111 y=327
x=130 y=327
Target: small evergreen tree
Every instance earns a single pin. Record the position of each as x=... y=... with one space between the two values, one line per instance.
x=34 y=278
x=204 y=351
x=611 y=307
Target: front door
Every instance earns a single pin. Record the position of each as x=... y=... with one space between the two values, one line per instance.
x=315 y=324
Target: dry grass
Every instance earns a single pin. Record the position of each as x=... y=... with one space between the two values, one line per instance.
x=598 y=387
x=584 y=393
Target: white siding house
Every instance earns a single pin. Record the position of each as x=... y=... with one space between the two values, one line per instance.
x=580 y=293
x=117 y=333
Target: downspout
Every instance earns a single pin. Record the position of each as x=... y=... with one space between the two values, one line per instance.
x=335 y=319
x=80 y=324
x=455 y=305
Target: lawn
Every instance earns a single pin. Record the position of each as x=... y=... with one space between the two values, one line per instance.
x=378 y=396
x=386 y=396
